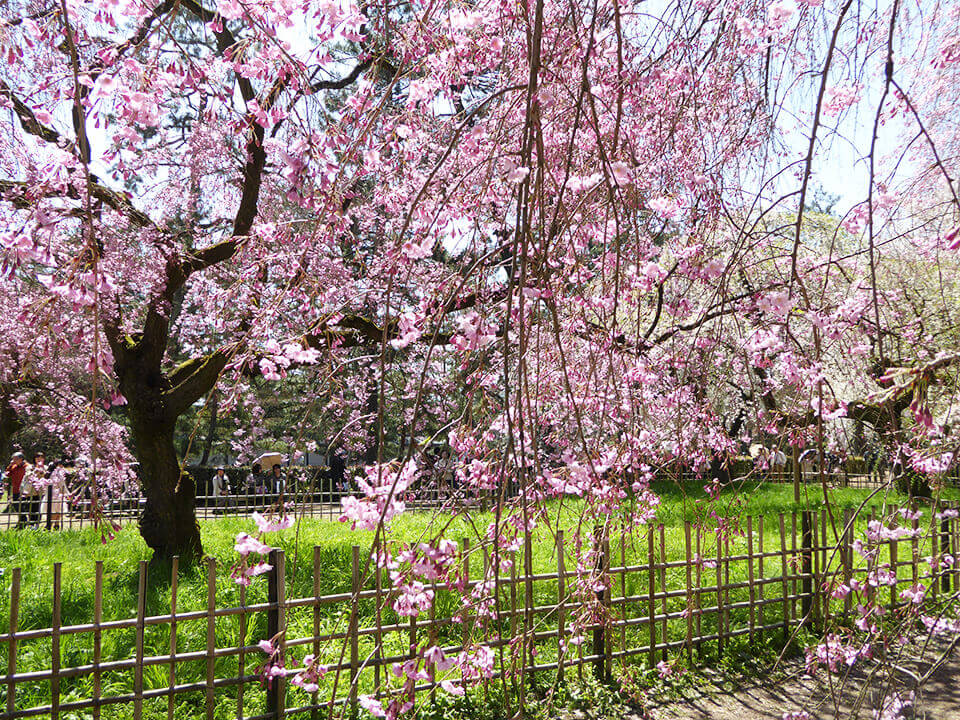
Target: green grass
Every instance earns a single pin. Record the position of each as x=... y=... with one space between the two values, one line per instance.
x=35 y=552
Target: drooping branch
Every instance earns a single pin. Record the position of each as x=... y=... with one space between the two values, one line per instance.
x=138 y=37
x=808 y=164
x=24 y=196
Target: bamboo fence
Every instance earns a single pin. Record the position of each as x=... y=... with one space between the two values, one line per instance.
x=693 y=595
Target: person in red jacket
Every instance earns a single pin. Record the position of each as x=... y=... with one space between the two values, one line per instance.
x=15 y=473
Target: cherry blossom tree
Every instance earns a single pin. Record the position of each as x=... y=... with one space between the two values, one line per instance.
x=565 y=238
x=568 y=239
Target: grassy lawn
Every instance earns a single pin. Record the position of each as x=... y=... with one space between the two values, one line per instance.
x=36 y=551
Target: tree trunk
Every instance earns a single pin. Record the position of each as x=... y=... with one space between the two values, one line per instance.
x=909 y=482
x=9 y=424
x=168 y=523
x=372 y=451
x=904 y=478
x=213 y=407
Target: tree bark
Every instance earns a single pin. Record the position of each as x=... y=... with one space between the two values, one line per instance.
x=168 y=523
x=213 y=406
x=154 y=402
x=9 y=424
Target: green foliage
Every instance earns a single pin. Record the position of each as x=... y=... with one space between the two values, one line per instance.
x=35 y=552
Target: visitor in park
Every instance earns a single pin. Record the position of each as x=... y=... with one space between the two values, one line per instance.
x=278 y=483
x=58 y=495
x=250 y=482
x=256 y=486
x=221 y=488
x=778 y=463
x=14 y=475
x=32 y=487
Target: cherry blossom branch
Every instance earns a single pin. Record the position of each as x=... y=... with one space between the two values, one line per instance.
x=194 y=378
x=23 y=196
x=28 y=119
x=808 y=164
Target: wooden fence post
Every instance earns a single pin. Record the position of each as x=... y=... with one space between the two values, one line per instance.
x=607 y=601
x=761 y=589
x=750 y=579
x=514 y=579
x=664 y=630
x=689 y=594
x=698 y=595
x=354 y=629
x=719 y=568
x=211 y=635
x=561 y=605
x=276 y=626
x=895 y=570
x=651 y=598
x=172 y=670
x=528 y=606
x=795 y=569
x=824 y=545
x=944 y=571
x=623 y=598
x=12 y=643
x=465 y=554
x=50 y=510
x=783 y=578
x=378 y=575
x=816 y=567
x=138 y=668
x=726 y=582
x=846 y=558
x=97 y=634
x=806 y=565
x=598 y=629
x=317 y=559
x=241 y=656
x=55 y=646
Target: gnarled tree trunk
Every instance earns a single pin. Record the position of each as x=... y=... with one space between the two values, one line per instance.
x=168 y=523
x=155 y=400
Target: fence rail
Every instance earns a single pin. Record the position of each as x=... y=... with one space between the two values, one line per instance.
x=53 y=511
x=674 y=593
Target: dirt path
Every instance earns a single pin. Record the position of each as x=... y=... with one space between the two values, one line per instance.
x=938 y=699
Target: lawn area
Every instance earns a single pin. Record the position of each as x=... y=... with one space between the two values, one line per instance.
x=36 y=551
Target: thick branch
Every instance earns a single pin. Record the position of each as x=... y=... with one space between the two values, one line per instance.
x=27 y=117
x=195 y=378
x=343 y=82
x=138 y=37
x=24 y=195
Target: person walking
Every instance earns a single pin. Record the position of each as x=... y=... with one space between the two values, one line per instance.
x=15 y=473
x=221 y=489
x=55 y=495
x=32 y=488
